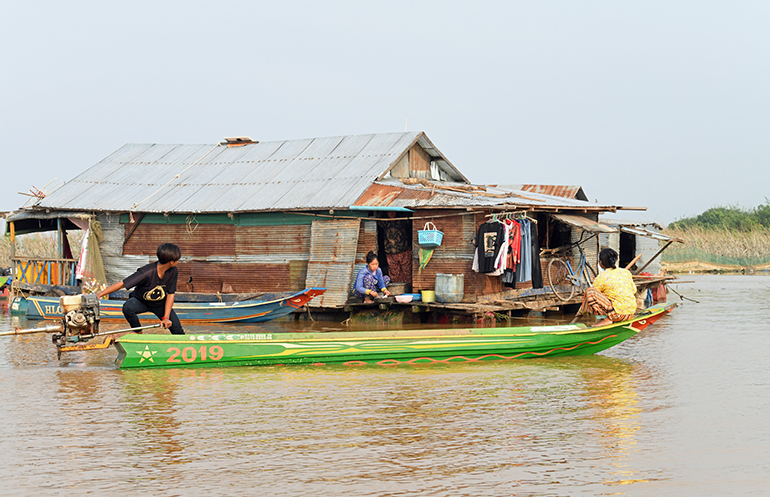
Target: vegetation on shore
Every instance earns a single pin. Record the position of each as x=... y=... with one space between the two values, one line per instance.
x=36 y=245
x=722 y=237
x=728 y=218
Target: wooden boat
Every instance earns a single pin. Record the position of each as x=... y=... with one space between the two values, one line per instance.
x=376 y=347
x=269 y=306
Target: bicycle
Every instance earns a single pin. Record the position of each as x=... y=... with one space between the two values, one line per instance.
x=561 y=274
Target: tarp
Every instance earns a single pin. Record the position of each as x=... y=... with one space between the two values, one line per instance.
x=90 y=265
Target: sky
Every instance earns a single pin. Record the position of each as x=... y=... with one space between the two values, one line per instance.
x=659 y=104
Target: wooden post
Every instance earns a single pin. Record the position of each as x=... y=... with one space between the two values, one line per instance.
x=60 y=251
x=14 y=283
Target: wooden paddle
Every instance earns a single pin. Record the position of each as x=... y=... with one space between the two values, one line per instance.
x=628 y=266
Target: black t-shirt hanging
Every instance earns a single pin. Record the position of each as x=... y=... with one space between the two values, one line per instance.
x=151 y=289
x=489 y=241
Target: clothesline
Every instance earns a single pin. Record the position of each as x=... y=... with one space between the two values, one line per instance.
x=509 y=249
x=511 y=214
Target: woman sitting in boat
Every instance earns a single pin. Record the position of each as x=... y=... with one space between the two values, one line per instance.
x=370 y=280
x=614 y=292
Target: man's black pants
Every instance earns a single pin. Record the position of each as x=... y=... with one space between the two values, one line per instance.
x=134 y=306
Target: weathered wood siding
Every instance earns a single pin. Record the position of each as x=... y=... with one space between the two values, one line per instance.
x=415 y=163
x=202 y=240
x=216 y=257
x=212 y=277
x=419 y=162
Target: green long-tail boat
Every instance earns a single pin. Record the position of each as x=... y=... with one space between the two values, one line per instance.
x=376 y=347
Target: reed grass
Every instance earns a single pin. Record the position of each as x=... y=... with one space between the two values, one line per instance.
x=724 y=242
x=42 y=245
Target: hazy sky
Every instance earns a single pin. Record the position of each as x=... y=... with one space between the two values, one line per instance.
x=657 y=104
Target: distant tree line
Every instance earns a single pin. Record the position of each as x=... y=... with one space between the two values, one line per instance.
x=728 y=218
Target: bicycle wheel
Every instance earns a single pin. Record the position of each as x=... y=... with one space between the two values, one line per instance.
x=589 y=274
x=558 y=276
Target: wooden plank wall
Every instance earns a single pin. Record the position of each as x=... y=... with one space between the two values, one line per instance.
x=419 y=162
x=212 y=277
x=198 y=241
x=226 y=258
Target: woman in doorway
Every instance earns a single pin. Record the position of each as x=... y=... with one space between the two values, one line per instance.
x=370 y=281
x=614 y=292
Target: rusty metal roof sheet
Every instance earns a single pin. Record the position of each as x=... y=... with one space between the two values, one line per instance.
x=585 y=223
x=397 y=194
x=315 y=173
x=566 y=191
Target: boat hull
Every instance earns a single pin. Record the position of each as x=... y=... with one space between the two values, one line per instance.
x=374 y=347
x=246 y=311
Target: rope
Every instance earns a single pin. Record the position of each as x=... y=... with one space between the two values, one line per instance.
x=682 y=297
x=190 y=229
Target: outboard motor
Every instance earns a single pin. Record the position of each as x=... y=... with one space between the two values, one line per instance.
x=79 y=325
x=81 y=319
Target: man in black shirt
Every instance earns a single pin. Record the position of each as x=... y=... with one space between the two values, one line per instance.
x=154 y=288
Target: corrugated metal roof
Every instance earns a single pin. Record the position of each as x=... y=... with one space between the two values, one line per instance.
x=649 y=225
x=566 y=191
x=315 y=173
x=650 y=234
x=397 y=194
x=585 y=223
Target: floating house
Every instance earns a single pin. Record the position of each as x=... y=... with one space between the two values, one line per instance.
x=254 y=217
x=636 y=238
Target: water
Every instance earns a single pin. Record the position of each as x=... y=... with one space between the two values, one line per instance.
x=681 y=409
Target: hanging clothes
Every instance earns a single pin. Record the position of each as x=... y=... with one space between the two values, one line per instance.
x=397 y=244
x=502 y=257
x=514 y=242
x=524 y=268
x=537 y=272
x=514 y=253
x=489 y=241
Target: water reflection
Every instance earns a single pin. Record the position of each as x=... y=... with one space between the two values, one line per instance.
x=655 y=415
x=150 y=423
x=612 y=393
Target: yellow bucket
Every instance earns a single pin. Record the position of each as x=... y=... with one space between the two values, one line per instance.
x=428 y=295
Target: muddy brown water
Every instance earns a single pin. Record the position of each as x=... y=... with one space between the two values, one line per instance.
x=681 y=409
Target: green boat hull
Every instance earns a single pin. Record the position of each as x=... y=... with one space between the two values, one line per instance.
x=375 y=347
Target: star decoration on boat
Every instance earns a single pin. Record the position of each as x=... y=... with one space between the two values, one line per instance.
x=146 y=354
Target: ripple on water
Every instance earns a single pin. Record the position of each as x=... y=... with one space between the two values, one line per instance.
x=679 y=409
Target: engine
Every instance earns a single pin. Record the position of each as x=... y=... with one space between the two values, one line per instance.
x=81 y=319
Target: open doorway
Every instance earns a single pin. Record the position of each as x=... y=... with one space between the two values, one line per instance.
x=627 y=249
x=394 y=247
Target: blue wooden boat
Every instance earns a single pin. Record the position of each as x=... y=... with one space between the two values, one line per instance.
x=269 y=306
